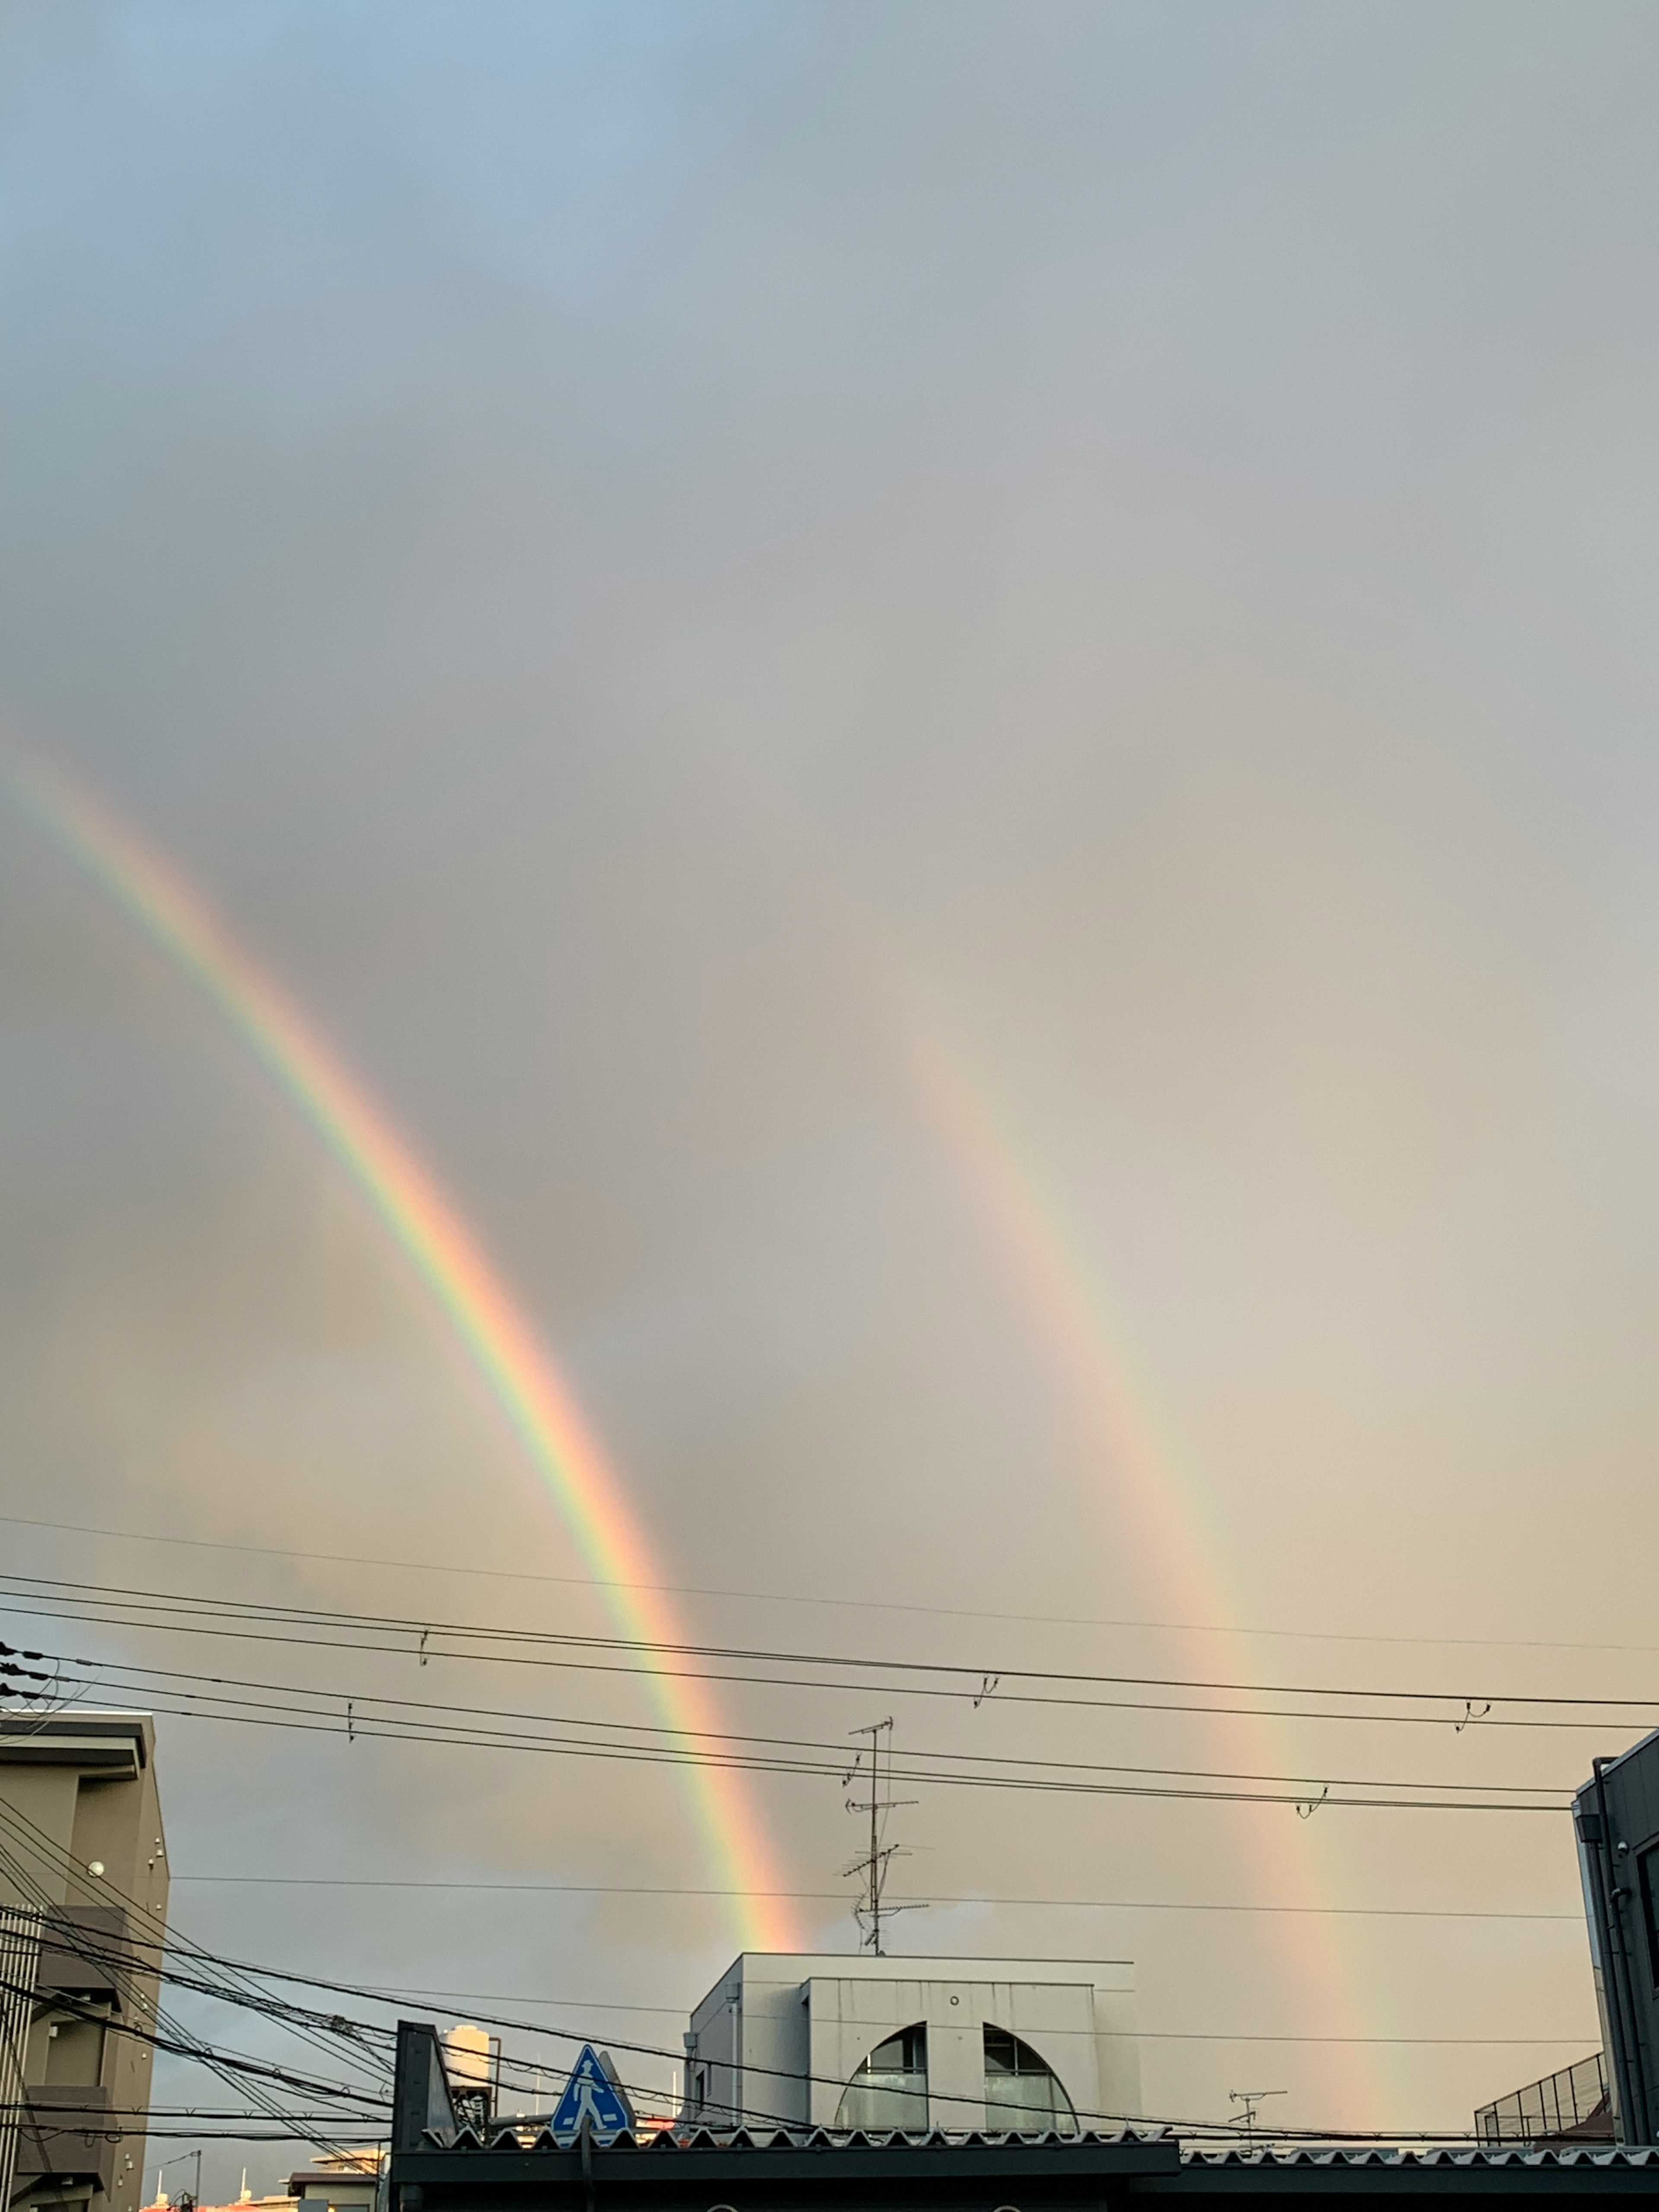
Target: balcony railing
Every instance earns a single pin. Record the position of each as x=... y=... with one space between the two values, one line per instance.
x=1568 y=2106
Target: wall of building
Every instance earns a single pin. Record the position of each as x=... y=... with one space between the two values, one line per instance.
x=79 y=1789
x=1618 y=1830
x=780 y=2036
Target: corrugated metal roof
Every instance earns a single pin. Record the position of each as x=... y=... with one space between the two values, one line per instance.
x=511 y=2139
x=1439 y=2156
x=508 y=2140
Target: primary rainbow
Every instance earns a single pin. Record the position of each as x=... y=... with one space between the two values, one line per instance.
x=447 y=1255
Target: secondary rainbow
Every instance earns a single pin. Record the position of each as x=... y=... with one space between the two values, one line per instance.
x=445 y=1254
x=1061 y=1290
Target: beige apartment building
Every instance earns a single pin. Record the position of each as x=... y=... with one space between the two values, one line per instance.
x=83 y=1892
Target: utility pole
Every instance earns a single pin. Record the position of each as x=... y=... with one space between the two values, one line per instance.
x=185 y=2158
x=873 y=1867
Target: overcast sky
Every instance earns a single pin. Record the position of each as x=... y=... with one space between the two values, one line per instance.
x=820 y=637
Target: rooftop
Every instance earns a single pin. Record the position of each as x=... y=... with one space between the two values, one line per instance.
x=696 y=2168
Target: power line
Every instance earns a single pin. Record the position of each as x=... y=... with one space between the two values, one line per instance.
x=253 y=2069
x=221 y=2061
x=356 y=1716
x=727 y=1736
x=230 y=1982
x=337 y=2139
x=845 y=1604
x=239 y=1970
x=207 y=1615
x=165 y=2113
x=392 y=1993
x=797 y=2075
x=838 y=1897
x=238 y=2071
x=398 y=1990
x=911 y=1688
x=166 y=1943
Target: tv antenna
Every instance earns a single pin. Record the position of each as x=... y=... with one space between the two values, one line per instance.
x=874 y=1867
x=1250 y=2098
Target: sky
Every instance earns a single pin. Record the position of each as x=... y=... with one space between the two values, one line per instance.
x=952 y=703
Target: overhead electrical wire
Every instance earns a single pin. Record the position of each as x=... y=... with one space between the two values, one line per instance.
x=1231 y=1631
x=252 y=2073
x=399 y=1990
x=341 y=2139
x=242 y=1972
x=364 y=1991
x=194 y=2048
x=355 y=1715
x=239 y=1986
x=177 y=2047
x=163 y=1947
x=202 y=1608
x=429 y=1721
x=45 y=1598
x=839 y=1762
x=124 y=1959
x=162 y=2111
x=837 y=1896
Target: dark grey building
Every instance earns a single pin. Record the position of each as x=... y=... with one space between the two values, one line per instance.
x=1616 y=1815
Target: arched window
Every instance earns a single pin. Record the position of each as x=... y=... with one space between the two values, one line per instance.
x=889 y=2089
x=1021 y=2094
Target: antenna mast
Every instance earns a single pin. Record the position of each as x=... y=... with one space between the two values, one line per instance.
x=1251 y=2099
x=873 y=1867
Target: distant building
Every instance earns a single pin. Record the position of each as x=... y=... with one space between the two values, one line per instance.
x=83 y=1894
x=247 y=2201
x=804 y=2040
x=338 y=2181
x=335 y=2181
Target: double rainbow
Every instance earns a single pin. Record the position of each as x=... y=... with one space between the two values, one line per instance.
x=538 y=1402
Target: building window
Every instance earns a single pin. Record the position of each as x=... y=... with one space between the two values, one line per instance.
x=1647 y=1871
x=1021 y=2094
x=889 y=2089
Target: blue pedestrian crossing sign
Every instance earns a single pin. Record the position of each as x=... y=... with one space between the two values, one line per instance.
x=593 y=2093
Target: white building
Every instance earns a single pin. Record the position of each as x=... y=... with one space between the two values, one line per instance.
x=804 y=2040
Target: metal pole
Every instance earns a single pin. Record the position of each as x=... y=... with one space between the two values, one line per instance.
x=875 y=1855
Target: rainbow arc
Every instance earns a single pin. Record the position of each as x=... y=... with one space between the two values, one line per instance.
x=468 y=1288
